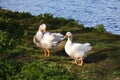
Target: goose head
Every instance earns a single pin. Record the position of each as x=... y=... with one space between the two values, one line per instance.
x=68 y=35
x=42 y=28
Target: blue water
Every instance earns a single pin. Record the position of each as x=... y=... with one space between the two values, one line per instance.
x=88 y=12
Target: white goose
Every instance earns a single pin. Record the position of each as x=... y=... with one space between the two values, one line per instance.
x=77 y=51
x=46 y=40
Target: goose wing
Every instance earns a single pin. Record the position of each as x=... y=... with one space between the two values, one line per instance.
x=82 y=47
x=52 y=39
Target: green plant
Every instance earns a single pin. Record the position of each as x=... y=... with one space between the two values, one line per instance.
x=3 y=40
x=99 y=28
x=48 y=18
x=41 y=70
x=73 y=23
x=9 y=69
x=6 y=42
x=14 y=28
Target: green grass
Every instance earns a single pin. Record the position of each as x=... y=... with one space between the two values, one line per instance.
x=26 y=62
x=102 y=62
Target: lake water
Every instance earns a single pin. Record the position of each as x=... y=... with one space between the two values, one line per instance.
x=87 y=12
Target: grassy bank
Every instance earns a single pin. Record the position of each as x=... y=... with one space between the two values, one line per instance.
x=20 y=59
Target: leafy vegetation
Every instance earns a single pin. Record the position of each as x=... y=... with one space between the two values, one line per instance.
x=20 y=59
x=99 y=28
x=43 y=70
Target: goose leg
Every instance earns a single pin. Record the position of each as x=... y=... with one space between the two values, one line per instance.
x=75 y=62
x=81 y=61
x=45 y=52
x=48 y=52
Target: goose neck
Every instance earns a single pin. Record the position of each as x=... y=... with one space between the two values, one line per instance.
x=70 y=39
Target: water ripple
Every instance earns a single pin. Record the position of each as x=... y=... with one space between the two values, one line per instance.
x=87 y=12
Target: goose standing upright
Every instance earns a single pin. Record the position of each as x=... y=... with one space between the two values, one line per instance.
x=46 y=40
x=77 y=51
x=39 y=35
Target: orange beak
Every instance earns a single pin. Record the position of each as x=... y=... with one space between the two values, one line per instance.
x=65 y=36
x=44 y=29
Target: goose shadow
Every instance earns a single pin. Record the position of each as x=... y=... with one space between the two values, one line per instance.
x=99 y=55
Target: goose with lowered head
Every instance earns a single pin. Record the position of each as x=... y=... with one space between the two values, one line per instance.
x=46 y=40
x=76 y=51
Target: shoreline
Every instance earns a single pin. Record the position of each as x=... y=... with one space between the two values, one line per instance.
x=109 y=29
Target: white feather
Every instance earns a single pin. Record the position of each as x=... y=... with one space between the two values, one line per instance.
x=76 y=50
x=50 y=40
x=46 y=40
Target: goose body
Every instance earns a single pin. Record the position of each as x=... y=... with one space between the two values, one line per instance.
x=37 y=38
x=76 y=51
x=46 y=40
x=50 y=40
